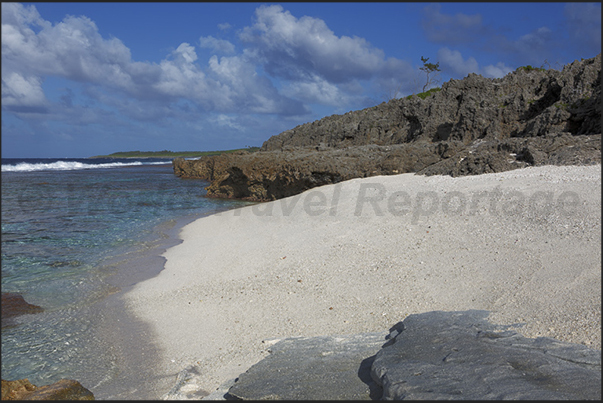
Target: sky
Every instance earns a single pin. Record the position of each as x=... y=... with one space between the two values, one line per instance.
x=84 y=79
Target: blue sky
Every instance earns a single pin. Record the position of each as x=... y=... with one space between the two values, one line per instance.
x=82 y=79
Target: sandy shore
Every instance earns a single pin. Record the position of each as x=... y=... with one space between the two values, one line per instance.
x=361 y=255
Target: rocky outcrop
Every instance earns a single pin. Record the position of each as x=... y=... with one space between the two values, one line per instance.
x=433 y=355
x=460 y=355
x=272 y=175
x=476 y=125
x=14 y=304
x=524 y=103
x=489 y=156
x=65 y=389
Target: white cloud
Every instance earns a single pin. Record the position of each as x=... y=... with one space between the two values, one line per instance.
x=317 y=66
x=288 y=62
x=72 y=48
x=246 y=89
x=496 y=71
x=19 y=15
x=299 y=49
x=227 y=121
x=225 y=26
x=186 y=52
x=451 y=29
x=217 y=45
x=453 y=61
x=33 y=49
x=180 y=77
x=20 y=91
x=317 y=91
x=232 y=69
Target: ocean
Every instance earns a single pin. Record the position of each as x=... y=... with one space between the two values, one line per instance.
x=72 y=230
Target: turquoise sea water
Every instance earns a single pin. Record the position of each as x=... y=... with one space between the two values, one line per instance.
x=65 y=224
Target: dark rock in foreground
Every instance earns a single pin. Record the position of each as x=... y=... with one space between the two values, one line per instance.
x=65 y=389
x=434 y=355
x=309 y=368
x=14 y=304
x=477 y=125
x=460 y=355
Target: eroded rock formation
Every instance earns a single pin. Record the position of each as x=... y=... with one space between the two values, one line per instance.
x=471 y=126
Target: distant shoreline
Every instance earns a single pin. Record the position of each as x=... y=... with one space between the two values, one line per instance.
x=169 y=154
x=134 y=157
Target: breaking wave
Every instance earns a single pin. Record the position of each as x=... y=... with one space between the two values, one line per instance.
x=68 y=166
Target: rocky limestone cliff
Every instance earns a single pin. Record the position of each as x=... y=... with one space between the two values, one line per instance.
x=471 y=126
x=525 y=103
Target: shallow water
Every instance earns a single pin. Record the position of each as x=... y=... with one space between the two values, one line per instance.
x=71 y=230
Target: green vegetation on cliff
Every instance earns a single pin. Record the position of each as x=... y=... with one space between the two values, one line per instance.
x=425 y=94
x=529 y=68
x=170 y=154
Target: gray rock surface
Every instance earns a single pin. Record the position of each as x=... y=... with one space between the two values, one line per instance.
x=433 y=355
x=313 y=368
x=460 y=355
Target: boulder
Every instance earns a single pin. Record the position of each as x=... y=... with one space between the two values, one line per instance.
x=14 y=304
x=460 y=355
x=65 y=389
x=15 y=390
x=313 y=368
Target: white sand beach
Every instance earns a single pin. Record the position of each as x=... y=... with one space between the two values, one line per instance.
x=361 y=255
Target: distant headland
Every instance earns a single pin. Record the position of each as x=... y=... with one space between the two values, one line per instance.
x=171 y=154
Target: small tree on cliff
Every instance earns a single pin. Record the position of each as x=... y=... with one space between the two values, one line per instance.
x=429 y=69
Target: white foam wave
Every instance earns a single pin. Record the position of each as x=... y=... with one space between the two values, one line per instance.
x=68 y=166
